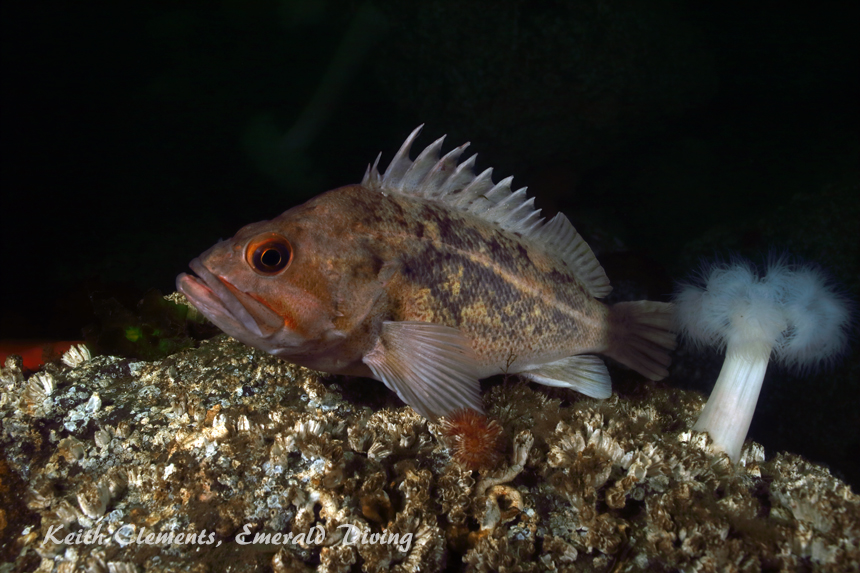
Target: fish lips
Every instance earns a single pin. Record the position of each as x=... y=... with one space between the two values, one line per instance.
x=238 y=317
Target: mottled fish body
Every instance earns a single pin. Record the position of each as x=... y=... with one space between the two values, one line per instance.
x=428 y=278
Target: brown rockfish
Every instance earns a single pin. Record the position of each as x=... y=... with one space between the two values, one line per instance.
x=428 y=278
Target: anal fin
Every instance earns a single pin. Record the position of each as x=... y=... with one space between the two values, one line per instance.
x=431 y=367
x=584 y=373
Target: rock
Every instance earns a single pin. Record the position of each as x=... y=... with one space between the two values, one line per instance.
x=224 y=454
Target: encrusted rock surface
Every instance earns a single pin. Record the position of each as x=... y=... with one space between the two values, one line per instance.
x=223 y=440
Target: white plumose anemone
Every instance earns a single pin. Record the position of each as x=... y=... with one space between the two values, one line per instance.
x=790 y=314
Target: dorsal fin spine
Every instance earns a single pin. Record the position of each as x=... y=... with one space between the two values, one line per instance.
x=443 y=171
x=401 y=162
x=501 y=212
x=531 y=227
x=500 y=190
x=421 y=167
x=461 y=177
x=475 y=189
x=521 y=214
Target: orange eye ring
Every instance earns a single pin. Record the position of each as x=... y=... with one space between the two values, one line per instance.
x=270 y=255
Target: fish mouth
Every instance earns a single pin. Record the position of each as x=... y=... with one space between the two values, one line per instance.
x=233 y=311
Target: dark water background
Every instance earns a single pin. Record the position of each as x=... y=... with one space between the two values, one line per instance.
x=133 y=137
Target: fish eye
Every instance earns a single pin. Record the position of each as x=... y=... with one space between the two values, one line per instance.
x=269 y=256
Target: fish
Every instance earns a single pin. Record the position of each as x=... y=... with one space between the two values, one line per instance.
x=428 y=278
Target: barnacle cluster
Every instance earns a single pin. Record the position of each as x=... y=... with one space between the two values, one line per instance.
x=226 y=454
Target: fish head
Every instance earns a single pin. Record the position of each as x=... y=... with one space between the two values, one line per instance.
x=268 y=287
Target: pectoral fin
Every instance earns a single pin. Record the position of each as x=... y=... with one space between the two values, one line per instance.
x=431 y=367
x=584 y=373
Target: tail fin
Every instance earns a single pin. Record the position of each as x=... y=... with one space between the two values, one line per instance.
x=641 y=336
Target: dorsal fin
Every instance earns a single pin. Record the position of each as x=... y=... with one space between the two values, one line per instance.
x=456 y=185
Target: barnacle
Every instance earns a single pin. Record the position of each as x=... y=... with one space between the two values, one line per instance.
x=76 y=355
x=12 y=375
x=501 y=552
x=116 y=480
x=337 y=559
x=428 y=546
x=11 y=378
x=455 y=493
x=374 y=501
x=121 y=567
x=71 y=449
x=359 y=437
x=523 y=443
x=40 y=386
x=286 y=562
x=101 y=438
x=500 y=496
x=93 y=404
x=93 y=499
x=386 y=432
x=379 y=450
